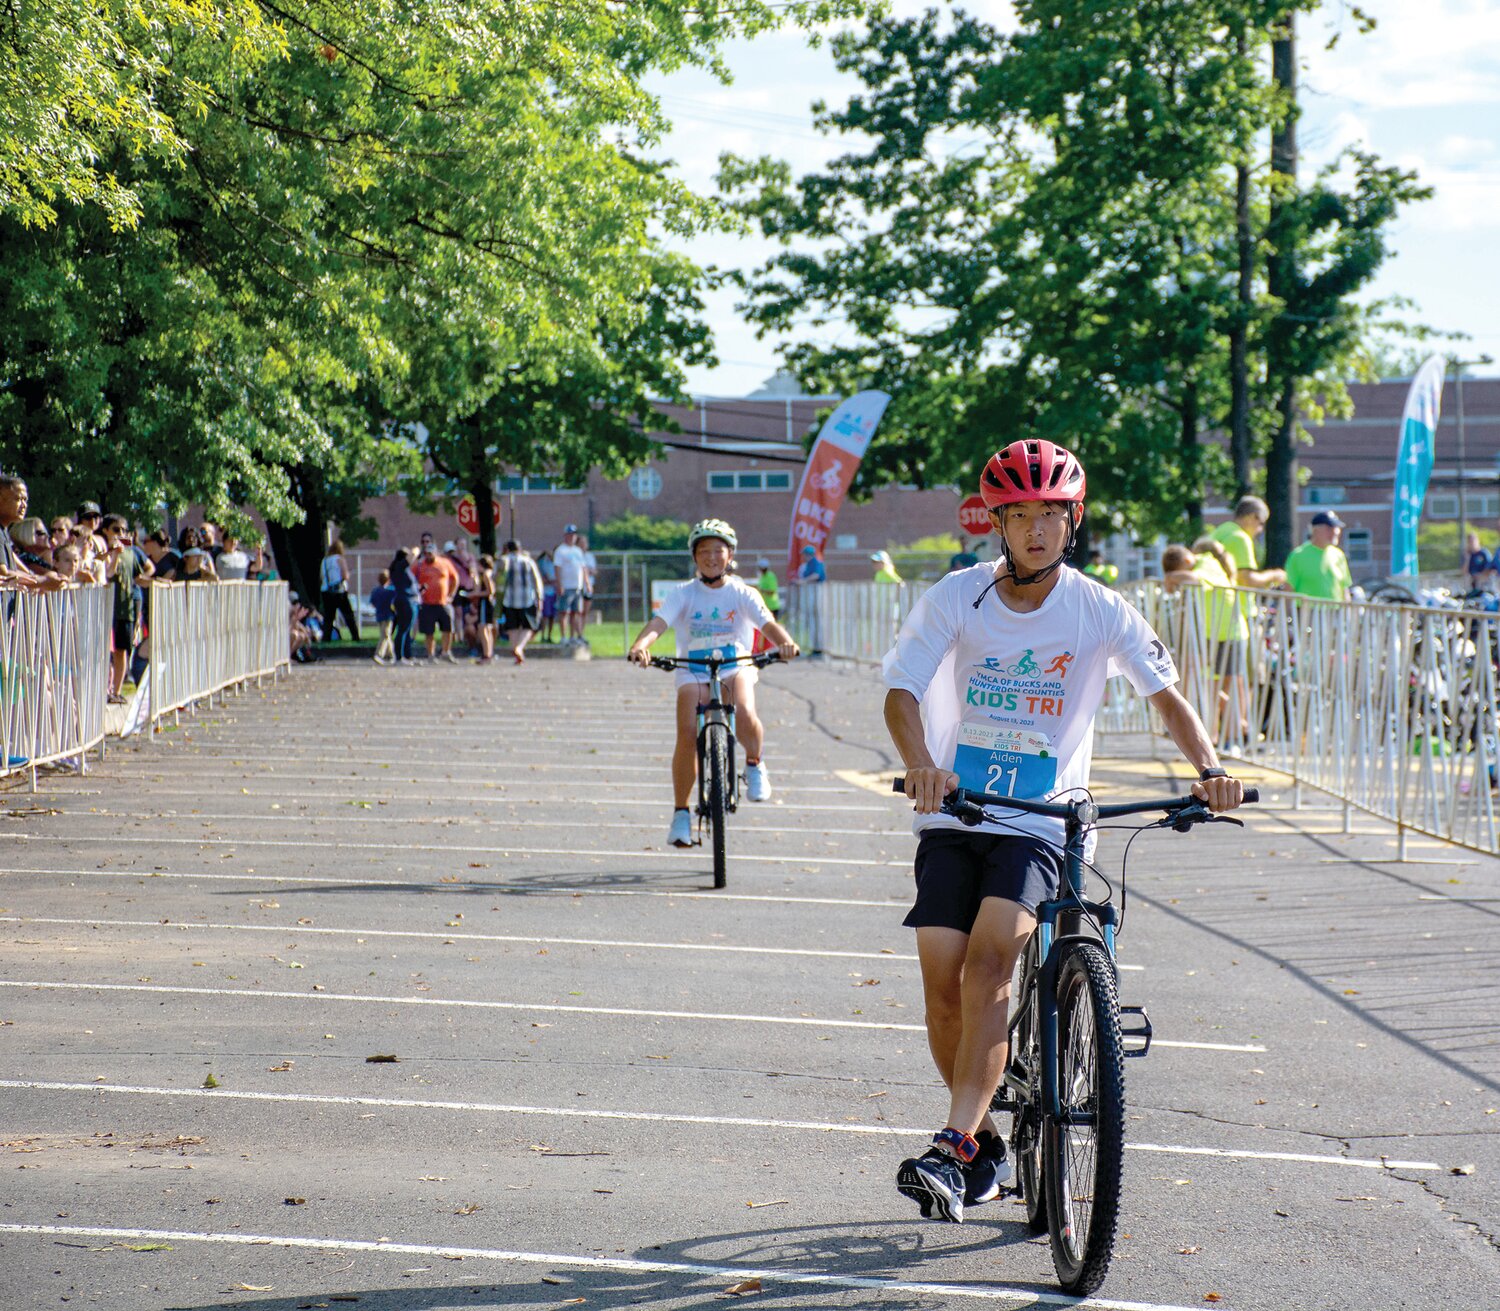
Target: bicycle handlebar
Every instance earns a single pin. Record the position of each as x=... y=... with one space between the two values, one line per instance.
x=1184 y=811
x=760 y=660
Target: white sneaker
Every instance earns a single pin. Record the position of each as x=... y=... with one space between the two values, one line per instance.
x=758 y=782
x=681 y=832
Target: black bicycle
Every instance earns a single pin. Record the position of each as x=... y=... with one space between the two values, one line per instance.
x=1064 y=1080
x=718 y=778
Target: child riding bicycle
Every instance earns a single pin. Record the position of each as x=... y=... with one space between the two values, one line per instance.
x=997 y=694
x=713 y=614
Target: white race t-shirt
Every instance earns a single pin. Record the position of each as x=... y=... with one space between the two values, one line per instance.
x=570 y=566
x=713 y=621
x=1008 y=699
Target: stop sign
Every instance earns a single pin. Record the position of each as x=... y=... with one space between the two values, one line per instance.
x=974 y=517
x=468 y=514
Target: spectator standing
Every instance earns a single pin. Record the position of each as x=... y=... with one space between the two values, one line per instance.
x=65 y=564
x=438 y=580
x=263 y=564
x=1319 y=567
x=233 y=563
x=382 y=602
x=521 y=592
x=810 y=579
x=590 y=581
x=457 y=554
x=571 y=571
x=165 y=562
x=197 y=563
x=1100 y=569
x=769 y=587
x=484 y=607
x=33 y=544
x=548 y=571
x=122 y=566
x=1480 y=565
x=14 y=574
x=964 y=558
x=1237 y=536
x=333 y=582
x=1208 y=565
x=88 y=517
x=406 y=595
x=885 y=568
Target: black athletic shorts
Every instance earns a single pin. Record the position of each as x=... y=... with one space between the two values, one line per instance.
x=956 y=870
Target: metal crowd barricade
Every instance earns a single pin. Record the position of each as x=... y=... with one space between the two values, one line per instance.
x=54 y=659
x=854 y=621
x=1389 y=708
x=209 y=637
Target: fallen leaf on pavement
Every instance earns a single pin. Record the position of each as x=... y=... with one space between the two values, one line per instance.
x=780 y=1201
x=744 y=1286
x=294 y=1201
x=1187 y=1251
x=210 y=1082
x=1462 y=1169
x=252 y=1288
x=382 y=1060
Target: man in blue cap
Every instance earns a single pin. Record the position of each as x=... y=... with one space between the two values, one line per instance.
x=813 y=573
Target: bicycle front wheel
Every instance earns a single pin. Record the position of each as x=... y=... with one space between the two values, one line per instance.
x=1084 y=1150
x=717 y=751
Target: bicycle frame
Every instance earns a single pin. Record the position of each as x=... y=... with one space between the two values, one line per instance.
x=713 y=712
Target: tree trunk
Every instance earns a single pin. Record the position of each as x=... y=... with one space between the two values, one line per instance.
x=1192 y=462
x=1281 y=275
x=299 y=548
x=484 y=502
x=1239 y=329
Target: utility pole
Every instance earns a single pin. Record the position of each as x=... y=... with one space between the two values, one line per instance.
x=1458 y=367
x=1239 y=324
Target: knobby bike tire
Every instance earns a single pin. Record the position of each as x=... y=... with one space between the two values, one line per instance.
x=1026 y=1135
x=717 y=750
x=1083 y=1163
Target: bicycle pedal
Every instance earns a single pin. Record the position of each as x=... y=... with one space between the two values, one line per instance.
x=1140 y=1032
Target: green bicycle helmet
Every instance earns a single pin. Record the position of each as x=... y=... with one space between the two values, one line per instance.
x=705 y=528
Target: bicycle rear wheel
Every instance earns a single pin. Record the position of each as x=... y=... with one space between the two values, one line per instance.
x=717 y=751
x=1084 y=1151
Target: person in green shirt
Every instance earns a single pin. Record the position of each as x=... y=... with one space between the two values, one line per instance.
x=769 y=586
x=1100 y=570
x=885 y=568
x=1319 y=567
x=1237 y=536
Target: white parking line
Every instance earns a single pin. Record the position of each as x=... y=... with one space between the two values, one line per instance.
x=45 y=985
x=660 y=1117
x=1019 y=1297
x=449 y=794
x=750 y=828
x=50 y=985
x=426 y=886
x=307 y=844
x=299 y=930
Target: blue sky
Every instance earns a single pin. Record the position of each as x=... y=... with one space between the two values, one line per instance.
x=1421 y=91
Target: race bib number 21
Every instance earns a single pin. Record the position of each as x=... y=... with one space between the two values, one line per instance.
x=1006 y=762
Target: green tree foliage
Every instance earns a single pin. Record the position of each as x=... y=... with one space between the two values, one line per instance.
x=632 y=531
x=1041 y=241
x=224 y=305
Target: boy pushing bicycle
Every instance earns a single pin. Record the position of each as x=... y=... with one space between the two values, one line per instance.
x=994 y=683
x=714 y=614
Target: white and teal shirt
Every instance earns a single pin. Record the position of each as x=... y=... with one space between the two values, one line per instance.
x=1008 y=699
x=714 y=620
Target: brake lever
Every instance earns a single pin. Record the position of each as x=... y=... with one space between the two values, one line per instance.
x=1185 y=818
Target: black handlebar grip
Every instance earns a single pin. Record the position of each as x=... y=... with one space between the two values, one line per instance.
x=1252 y=795
x=898 y=784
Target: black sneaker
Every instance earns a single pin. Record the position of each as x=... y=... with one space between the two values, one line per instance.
x=988 y=1172
x=934 y=1179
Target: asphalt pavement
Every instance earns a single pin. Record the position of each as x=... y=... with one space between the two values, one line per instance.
x=379 y=988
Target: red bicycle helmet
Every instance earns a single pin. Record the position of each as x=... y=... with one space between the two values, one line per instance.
x=1031 y=471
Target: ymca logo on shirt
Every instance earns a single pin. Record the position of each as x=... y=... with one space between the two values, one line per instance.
x=1011 y=707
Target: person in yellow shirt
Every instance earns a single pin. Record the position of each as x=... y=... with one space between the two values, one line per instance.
x=1208 y=565
x=885 y=569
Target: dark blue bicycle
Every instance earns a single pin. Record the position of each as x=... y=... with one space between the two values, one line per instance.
x=1064 y=1081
